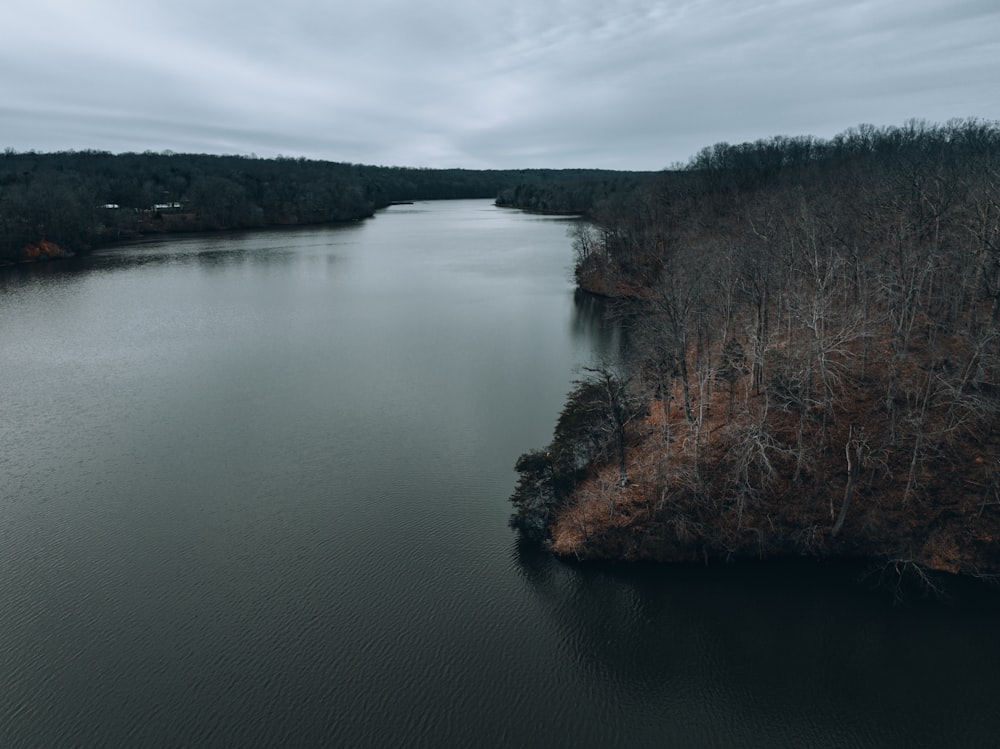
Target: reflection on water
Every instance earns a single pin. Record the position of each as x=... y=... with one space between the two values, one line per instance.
x=592 y=323
x=777 y=653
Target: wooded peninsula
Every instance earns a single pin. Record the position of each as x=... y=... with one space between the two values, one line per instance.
x=811 y=359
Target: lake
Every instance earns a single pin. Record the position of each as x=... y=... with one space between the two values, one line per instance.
x=253 y=492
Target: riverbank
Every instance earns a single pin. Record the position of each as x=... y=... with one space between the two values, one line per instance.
x=175 y=225
x=39 y=252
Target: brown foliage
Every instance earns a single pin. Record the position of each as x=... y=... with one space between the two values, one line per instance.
x=43 y=250
x=857 y=415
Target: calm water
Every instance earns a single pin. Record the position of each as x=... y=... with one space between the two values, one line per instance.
x=253 y=492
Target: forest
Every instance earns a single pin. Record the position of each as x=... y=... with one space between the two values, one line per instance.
x=59 y=204
x=811 y=363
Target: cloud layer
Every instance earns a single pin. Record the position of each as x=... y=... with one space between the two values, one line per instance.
x=629 y=84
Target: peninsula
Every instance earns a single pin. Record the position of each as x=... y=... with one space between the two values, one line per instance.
x=812 y=364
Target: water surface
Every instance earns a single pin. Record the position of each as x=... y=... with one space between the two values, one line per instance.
x=253 y=492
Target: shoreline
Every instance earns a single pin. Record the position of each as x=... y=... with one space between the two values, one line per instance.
x=60 y=253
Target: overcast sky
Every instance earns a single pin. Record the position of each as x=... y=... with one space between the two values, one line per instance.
x=622 y=84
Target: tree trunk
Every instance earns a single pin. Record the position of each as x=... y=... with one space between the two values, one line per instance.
x=853 y=471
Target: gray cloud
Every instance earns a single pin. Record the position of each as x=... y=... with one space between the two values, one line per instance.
x=618 y=83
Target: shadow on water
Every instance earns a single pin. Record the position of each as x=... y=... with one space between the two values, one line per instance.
x=787 y=652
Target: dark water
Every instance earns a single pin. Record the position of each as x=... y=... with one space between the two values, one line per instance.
x=253 y=492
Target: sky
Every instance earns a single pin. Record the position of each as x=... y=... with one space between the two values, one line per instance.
x=615 y=84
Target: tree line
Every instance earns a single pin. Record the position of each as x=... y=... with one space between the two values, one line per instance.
x=575 y=192
x=813 y=358
x=67 y=202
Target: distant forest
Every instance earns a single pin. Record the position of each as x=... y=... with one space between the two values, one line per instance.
x=812 y=363
x=56 y=204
